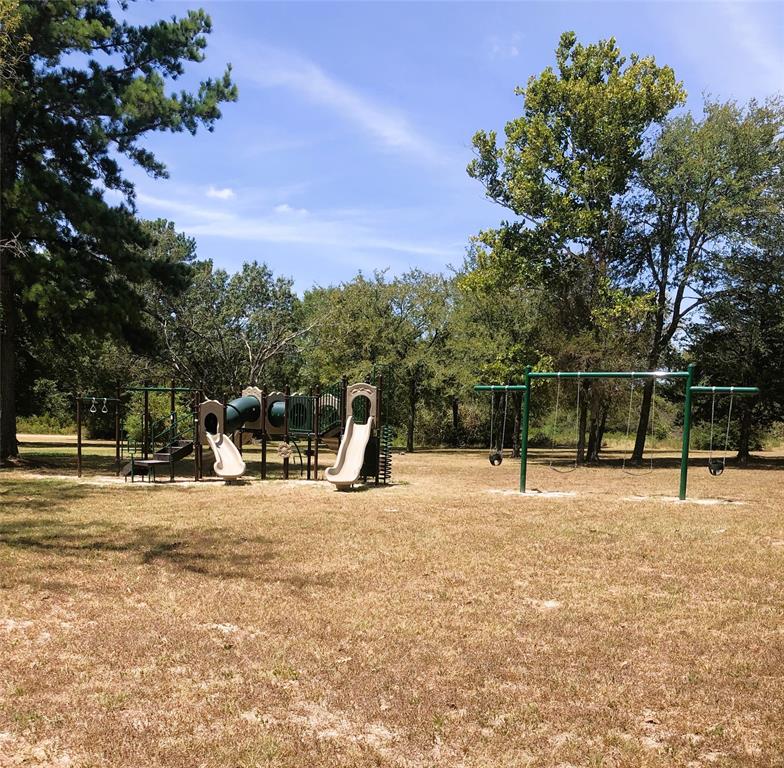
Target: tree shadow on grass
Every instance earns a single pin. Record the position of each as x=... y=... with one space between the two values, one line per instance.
x=206 y=552
x=38 y=516
x=48 y=495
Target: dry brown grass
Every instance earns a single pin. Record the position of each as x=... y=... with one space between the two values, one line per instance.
x=432 y=623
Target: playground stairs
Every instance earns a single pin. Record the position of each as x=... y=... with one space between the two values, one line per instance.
x=173 y=452
x=177 y=450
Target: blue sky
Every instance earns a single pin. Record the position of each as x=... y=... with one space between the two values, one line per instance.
x=348 y=145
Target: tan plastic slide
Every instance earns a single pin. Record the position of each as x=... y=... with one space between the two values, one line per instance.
x=228 y=460
x=351 y=455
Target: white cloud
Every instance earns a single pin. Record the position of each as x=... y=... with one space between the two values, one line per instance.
x=285 y=208
x=225 y=193
x=350 y=232
x=499 y=48
x=388 y=126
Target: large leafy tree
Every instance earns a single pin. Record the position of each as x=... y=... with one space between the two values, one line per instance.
x=80 y=94
x=742 y=336
x=689 y=214
x=562 y=171
x=573 y=150
x=226 y=332
x=398 y=326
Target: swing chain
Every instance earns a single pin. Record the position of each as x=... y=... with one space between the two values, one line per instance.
x=577 y=415
x=651 y=429
x=503 y=423
x=496 y=456
x=717 y=466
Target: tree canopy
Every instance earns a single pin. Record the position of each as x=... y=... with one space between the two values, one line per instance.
x=78 y=97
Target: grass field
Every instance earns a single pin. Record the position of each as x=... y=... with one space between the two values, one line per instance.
x=436 y=622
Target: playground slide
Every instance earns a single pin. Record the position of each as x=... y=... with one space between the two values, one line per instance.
x=351 y=455
x=228 y=460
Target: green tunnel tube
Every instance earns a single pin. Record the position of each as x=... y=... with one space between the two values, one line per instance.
x=238 y=411
x=248 y=408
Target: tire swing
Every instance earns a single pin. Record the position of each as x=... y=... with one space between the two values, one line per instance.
x=566 y=469
x=717 y=466
x=496 y=456
x=652 y=435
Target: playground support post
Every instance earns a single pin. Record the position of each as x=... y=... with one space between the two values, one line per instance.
x=286 y=395
x=146 y=423
x=264 y=434
x=197 y=438
x=78 y=435
x=316 y=428
x=310 y=436
x=172 y=430
x=343 y=406
x=117 y=427
x=686 y=433
x=524 y=428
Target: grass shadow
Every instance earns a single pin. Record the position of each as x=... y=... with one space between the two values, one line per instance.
x=30 y=522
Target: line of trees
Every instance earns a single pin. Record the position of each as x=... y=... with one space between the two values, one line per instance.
x=637 y=236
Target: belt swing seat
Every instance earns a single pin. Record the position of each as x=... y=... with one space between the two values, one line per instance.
x=717 y=466
x=652 y=433
x=496 y=455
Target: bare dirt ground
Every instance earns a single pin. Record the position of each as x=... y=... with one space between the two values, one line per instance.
x=437 y=622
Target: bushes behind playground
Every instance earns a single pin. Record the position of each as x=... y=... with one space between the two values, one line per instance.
x=55 y=412
x=160 y=412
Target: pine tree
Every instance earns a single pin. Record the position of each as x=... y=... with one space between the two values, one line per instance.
x=80 y=90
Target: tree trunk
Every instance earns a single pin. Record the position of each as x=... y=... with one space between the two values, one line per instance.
x=412 y=403
x=642 y=426
x=455 y=422
x=8 y=446
x=596 y=436
x=602 y=426
x=583 y=419
x=593 y=433
x=744 y=452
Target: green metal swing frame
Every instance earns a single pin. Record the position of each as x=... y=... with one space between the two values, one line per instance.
x=690 y=390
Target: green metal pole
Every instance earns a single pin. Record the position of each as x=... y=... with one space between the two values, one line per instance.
x=740 y=391
x=524 y=428
x=686 y=433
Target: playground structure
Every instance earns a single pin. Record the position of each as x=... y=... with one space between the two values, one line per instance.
x=344 y=418
x=715 y=466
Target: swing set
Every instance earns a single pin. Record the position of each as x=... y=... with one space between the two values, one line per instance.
x=496 y=456
x=715 y=465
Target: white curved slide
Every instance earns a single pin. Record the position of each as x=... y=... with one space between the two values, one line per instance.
x=351 y=454
x=228 y=460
